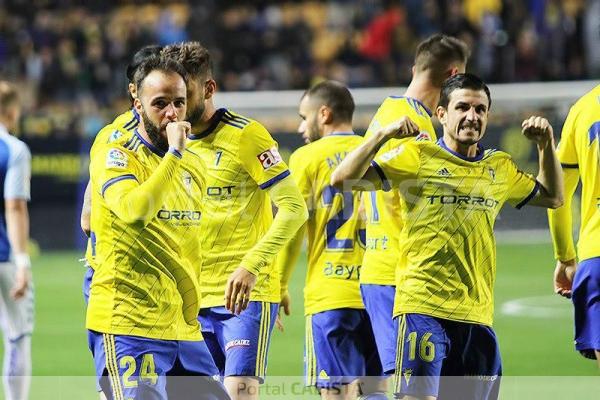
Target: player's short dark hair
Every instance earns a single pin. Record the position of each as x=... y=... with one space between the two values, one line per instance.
x=139 y=57
x=160 y=64
x=194 y=57
x=336 y=96
x=463 y=81
x=9 y=96
x=437 y=53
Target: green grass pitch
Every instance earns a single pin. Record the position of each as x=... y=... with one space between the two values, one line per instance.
x=534 y=327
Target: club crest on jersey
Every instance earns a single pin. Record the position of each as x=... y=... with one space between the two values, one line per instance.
x=116 y=159
x=492 y=173
x=114 y=136
x=423 y=135
x=187 y=181
x=269 y=158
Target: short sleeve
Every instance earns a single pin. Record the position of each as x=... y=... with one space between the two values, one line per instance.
x=17 y=183
x=567 y=151
x=260 y=156
x=397 y=164
x=301 y=174
x=521 y=187
x=109 y=165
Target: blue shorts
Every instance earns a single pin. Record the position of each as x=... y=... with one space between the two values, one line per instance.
x=339 y=348
x=87 y=283
x=449 y=359
x=379 y=302
x=586 y=299
x=132 y=367
x=239 y=343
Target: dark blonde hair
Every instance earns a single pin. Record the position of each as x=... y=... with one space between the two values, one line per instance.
x=437 y=53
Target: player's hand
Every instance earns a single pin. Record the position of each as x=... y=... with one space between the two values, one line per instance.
x=284 y=305
x=400 y=129
x=538 y=130
x=177 y=134
x=238 y=289
x=563 y=277
x=21 y=283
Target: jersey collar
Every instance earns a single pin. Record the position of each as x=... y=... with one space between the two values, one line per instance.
x=135 y=114
x=214 y=121
x=479 y=156
x=341 y=134
x=416 y=101
x=149 y=145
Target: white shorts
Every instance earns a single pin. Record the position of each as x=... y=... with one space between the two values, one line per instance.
x=16 y=317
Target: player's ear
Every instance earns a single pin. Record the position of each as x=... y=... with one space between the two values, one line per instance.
x=441 y=114
x=132 y=90
x=137 y=103
x=325 y=115
x=453 y=71
x=210 y=87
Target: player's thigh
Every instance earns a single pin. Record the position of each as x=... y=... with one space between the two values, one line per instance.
x=17 y=315
x=212 y=332
x=586 y=302
x=473 y=367
x=379 y=303
x=421 y=350
x=134 y=367
x=247 y=337
x=334 y=352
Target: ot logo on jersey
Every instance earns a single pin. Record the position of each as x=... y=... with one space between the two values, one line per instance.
x=216 y=191
x=269 y=158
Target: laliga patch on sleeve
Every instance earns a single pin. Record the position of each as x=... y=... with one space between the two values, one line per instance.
x=269 y=158
x=116 y=159
x=392 y=153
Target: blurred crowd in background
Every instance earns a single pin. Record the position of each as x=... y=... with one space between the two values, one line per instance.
x=70 y=59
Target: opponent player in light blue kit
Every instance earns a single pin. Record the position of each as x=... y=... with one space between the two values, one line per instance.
x=16 y=289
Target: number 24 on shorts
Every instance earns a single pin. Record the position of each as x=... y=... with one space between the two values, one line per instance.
x=147 y=370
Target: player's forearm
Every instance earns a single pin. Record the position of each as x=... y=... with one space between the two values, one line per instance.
x=17 y=226
x=291 y=215
x=561 y=220
x=86 y=210
x=142 y=202
x=550 y=176
x=351 y=174
x=287 y=258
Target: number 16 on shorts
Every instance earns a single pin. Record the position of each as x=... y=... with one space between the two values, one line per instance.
x=421 y=349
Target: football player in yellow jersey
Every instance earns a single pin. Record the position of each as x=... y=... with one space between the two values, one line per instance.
x=340 y=347
x=451 y=193
x=437 y=58
x=240 y=237
x=579 y=154
x=146 y=208
x=123 y=125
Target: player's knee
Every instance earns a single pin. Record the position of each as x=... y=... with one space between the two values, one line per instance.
x=19 y=353
x=242 y=387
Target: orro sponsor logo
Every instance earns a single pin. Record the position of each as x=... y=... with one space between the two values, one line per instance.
x=180 y=215
x=237 y=343
x=463 y=200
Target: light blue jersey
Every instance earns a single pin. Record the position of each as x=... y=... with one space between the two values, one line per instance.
x=15 y=174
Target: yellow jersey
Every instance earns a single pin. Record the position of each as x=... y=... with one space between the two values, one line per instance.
x=449 y=206
x=123 y=125
x=382 y=209
x=335 y=231
x=579 y=150
x=146 y=215
x=242 y=161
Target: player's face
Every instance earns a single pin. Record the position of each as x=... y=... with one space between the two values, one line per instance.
x=465 y=119
x=161 y=99
x=309 y=127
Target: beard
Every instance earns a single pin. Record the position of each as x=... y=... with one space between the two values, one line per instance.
x=154 y=133
x=195 y=115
